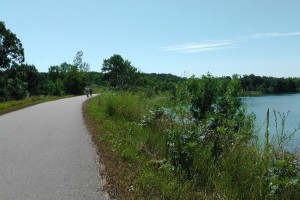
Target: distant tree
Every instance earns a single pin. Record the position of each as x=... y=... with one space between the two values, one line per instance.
x=54 y=72
x=11 y=50
x=55 y=87
x=162 y=82
x=119 y=72
x=78 y=61
x=33 y=78
x=95 y=78
x=269 y=84
x=292 y=85
x=82 y=67
x=74 y=82
x=64 y=68
x=20 y=81
x=66 y=79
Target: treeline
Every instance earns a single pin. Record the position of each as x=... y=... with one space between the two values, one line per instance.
x=19 y=80
x=119 y=73
x=270 y=85
x=163 y=82
x=22 y=80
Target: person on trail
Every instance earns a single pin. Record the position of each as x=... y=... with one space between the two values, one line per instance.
x=91 y=92
x=87 y=91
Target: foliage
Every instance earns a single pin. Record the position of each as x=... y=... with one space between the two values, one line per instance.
x=203 y=94
x=270 y=85
x=20 y=81
x=11 y=50
x=161 y=82
x=78 y=62
x=282 y=176
x=137 y=146
x=175 y=153
x=220 y=120
x=282 y=167
x=119 y=72
x=126 y=106
x=95 y=78
x=55 y=87
x=67 y=78
x=74 y=81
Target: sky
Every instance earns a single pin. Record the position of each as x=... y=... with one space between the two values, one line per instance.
x=184 y=38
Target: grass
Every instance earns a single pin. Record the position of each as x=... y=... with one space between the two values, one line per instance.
x=101 y=128
x=141 y=146
x=134 y=156
x=127 y=149
x=10 y=106
x=253 y=93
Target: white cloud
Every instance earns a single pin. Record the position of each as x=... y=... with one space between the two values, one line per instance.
x=200 y=47
x=272 y=35
x=222 y=44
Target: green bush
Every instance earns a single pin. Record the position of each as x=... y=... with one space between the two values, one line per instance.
x=176 y=153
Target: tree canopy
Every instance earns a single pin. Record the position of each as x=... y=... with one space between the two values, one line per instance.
x=270 y=85
x=20 y=81
x=119 y=72
x=11 y=50
x=78 y=62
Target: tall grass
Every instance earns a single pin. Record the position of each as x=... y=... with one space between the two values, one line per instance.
x=169 y=157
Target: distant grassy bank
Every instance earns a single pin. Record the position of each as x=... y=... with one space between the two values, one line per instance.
x=10 y=106
x=254 y=93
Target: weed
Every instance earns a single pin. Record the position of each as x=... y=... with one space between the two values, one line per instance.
x=167 y=151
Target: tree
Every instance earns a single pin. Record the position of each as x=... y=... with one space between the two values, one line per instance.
x=204 y=93
x=33 y=78
x=20 y=81
x=11 y=50
x=74 y=82
x=65 y=78
x=119 y=72
x=82 y=66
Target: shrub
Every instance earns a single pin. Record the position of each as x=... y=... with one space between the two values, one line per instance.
x=175 y=153
x=123 y=105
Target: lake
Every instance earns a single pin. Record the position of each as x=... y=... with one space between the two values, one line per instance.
x=281 y=103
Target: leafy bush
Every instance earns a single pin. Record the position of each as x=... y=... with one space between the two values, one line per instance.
x=55 y=88
x=282 y=176
x=195 y=147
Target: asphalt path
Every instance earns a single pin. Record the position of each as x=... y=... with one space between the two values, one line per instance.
x=47 y=153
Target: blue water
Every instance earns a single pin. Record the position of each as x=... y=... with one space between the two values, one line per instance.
x=289 y=103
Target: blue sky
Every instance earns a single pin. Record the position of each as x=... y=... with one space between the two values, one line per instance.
x=184 y=38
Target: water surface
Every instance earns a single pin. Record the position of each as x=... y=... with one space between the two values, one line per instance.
x=287 y=104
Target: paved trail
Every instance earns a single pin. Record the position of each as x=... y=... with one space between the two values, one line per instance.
x=46 y=153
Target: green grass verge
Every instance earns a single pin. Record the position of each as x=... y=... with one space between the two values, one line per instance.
x=140 y=147
x=133 y=156
x=10 y=106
